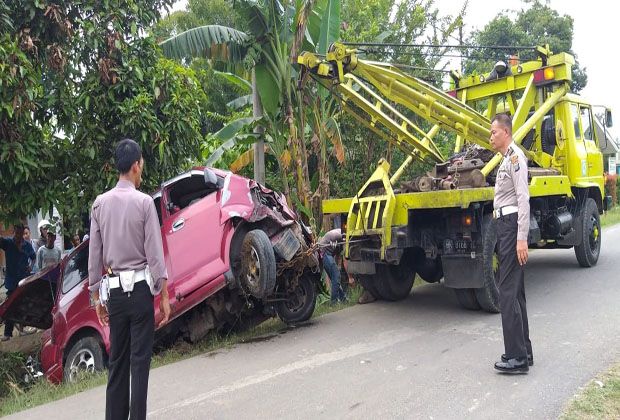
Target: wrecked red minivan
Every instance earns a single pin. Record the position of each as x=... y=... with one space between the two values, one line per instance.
x=236 y=255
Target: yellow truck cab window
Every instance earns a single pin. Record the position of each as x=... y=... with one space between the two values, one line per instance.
x=586 y=123
x=574 y=110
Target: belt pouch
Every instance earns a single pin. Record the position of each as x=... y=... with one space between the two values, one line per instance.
x=127 y=280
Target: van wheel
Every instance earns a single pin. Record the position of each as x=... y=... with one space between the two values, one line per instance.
x=258 y=264
x=588 y=252
x=488 y=295
x=300 y=300
x=85 y=357
x=394 y=282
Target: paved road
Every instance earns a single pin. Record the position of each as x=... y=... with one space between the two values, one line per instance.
x=419 y=358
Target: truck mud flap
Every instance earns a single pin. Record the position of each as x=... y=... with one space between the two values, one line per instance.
x=463 y=271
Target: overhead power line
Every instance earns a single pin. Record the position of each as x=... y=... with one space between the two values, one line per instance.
x=478 y=57
x=455 y=46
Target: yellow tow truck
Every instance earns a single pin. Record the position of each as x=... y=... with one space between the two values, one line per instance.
x=439 y=224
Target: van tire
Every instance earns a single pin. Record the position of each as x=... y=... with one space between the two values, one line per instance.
x=300 y=301
x=258 y=264
x=86 y=355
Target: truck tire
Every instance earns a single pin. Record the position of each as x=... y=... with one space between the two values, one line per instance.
x=394 y=282
x=368 y=283
x=300 y=301
x=86 y=356
x=258 y=264
x=488 y=295
x=430 y=270
x=588 y=252
x=467 y=299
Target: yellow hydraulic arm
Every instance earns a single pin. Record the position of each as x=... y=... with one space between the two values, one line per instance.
x=348 y=76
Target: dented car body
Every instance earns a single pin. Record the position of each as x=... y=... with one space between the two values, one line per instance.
x=236 y=254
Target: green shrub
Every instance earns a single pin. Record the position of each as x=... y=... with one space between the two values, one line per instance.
x=12 y=370
x=611 y=187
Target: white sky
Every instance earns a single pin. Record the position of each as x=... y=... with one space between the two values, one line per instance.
x=596 y=34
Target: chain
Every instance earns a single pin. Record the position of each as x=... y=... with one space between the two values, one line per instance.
x=282 y=267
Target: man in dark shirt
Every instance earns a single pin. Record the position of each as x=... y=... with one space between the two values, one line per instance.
x=20 y=258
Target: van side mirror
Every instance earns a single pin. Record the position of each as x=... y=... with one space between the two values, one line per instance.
x=210 y=179
x=608 y=119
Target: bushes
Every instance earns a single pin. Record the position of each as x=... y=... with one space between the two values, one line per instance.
x=611 y=187
x=11 y=373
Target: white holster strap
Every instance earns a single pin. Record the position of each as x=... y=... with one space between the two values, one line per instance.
x=126 y=280
x=504 y=211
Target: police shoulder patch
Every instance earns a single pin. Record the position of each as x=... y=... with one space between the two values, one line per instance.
x=515 y=162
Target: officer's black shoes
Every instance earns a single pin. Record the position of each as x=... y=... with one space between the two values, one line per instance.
x=530 y=359
x=513 y=365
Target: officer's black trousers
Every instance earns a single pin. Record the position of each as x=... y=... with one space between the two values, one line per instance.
x=512 y=290
x=131 y=342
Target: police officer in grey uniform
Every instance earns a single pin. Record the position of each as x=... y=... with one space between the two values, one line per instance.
x=512 y=221
x=125 y=238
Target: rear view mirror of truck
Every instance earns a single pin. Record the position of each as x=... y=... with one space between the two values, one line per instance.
x=608 y=119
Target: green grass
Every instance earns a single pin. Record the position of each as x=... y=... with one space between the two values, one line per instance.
x=600 y=399
x=43 y=392
x=611 y=217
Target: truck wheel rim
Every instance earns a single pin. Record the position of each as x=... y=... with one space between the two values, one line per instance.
x=84 y=361
x=594 y=234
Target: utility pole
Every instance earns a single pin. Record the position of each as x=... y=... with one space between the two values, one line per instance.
x=259 y=146
x=461 y=43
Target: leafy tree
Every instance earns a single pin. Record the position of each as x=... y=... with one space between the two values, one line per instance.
x=275 y=33
x=198 y=13
x=75 y=78
x=535 y=24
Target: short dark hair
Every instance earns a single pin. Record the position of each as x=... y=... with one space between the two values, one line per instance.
x=26 y=228
x=505 y=120
x=128 y=152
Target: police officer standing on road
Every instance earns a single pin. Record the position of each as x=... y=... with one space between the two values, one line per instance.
x=512 y=221
x=124 y=238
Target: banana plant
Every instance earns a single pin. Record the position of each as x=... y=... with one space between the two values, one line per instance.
x=276 y=33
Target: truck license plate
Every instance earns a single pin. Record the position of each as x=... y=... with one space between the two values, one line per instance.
x=461 y=245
